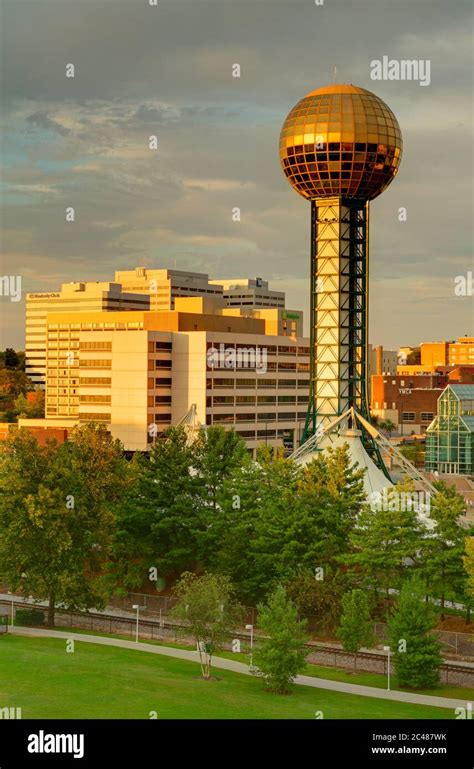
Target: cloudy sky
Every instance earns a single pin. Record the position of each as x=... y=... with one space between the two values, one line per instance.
x=166 y=70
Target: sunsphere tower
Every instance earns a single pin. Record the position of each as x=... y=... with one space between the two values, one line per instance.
x=340 y=147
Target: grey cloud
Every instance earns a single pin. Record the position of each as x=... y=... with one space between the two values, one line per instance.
x=41 y=120
x=141 y=70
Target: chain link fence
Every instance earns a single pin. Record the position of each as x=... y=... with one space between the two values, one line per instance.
x=460 y=644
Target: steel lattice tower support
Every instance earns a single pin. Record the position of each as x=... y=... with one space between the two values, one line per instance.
x=339 y=310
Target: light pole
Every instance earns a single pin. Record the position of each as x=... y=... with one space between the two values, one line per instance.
x=250 y=627
x=10 y=593
x=137 y=607
x=387 y=649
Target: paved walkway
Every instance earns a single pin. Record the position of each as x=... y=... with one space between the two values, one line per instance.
x=123 y=614
x=239 y=667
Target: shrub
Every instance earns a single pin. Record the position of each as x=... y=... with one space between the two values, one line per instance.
x=29 y=617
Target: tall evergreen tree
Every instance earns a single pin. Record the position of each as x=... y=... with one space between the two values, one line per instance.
x=331 y=491
x=287 y=520
x=385 y=543
x=356 y=627
x=160 y=523
x=417 y=655
x=217 y=455
x=282 y=655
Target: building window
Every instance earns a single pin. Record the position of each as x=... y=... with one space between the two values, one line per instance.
x=94 y=345
x=163 y=418
x=243 y=400
x=94 y=399
x=95 y=380
x=94 y=417
x=245 y=383
x=408 y=416
x=262 y=399
x=163 y=346
x=225 y=382
x=246 y=417
x=222 y=418
x=427 y=416
x=100 y=363
x=162 y=382
x=162 y=400
x=228 y=400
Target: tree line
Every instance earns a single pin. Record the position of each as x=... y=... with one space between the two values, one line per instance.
x=79 y=521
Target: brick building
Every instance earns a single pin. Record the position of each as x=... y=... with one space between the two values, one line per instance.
x=409 y=402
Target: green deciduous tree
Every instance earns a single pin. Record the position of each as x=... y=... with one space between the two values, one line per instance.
x=207 y=606
x=388 y=426
x=57 y=515
x=444 y=546
x=318 y=595
x=30 y=408
x=281 y=656
x=417 y=655
x=11 y=358
x=356 y=628
x=468 y=560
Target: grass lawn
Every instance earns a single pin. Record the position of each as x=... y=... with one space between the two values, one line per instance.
x=318 y=671
x=38 y=675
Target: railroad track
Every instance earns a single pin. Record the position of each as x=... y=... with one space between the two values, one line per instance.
x=166 y=624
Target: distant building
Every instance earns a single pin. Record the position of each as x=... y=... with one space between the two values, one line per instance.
x=163 y=286
x=249 y=292
x=450 y=437
x=435 y=355
x=461 y=353
x=408 y=402
x=143 y=289
x=403 y=354
x=379 y=361
x=72 y=297
x=140 y=372
x=385 y=361
x=432 y=354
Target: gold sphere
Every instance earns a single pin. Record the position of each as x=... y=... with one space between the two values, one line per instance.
x=340 y=140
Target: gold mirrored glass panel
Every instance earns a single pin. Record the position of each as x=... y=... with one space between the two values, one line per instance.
x=340 y=140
